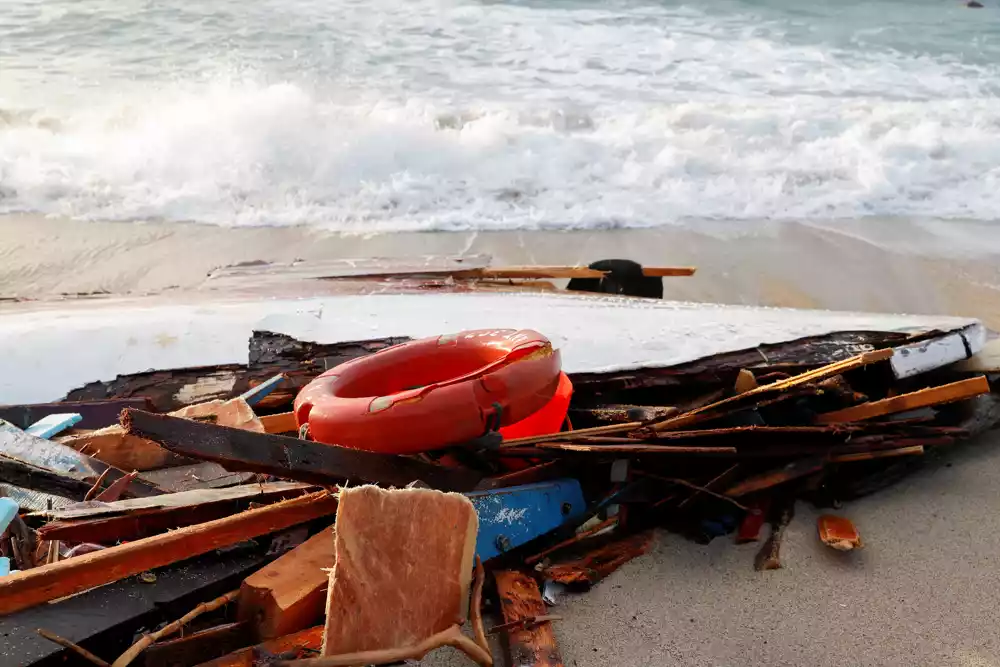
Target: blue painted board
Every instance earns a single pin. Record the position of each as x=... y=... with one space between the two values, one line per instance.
x=253 y=396
x=515 y=515
x=46 y=427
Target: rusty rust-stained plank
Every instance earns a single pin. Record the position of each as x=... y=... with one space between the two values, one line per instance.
x=519 y=600
x=303 y=460
x=41 y=584
x=755 y=396
x=948 y=393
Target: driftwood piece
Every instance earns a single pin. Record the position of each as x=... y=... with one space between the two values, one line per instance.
x=450 y=637
x=79 y=650
x=124 y=522
x=270 y=354
x=520 y=599
x=599 y=563
x=637 y=449
x=133 y=652
x=289 y=647
x=838 y=533
x=302 y=460
x=26 y=589
x=769 y=556
x=289 y=594
x=948 y=393
x=772 y=478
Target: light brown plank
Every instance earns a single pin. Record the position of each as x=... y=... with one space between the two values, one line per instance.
x=279 y=423
x=948 y=393
x=520 y=600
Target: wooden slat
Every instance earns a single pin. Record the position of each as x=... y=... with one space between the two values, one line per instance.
x=292 y=458
x=28 y=588
x=772 y=478
x=635 y=449
x=200 y=475
x=764 y=392
x=279 y=423
x=520 y=600
x=913 y=450
x=197 y=646
x=289 y=594
x=948 y=393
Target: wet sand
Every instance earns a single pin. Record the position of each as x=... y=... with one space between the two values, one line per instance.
x=888 y=266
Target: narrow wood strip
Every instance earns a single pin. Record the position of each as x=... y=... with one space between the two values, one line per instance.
x=947 y=393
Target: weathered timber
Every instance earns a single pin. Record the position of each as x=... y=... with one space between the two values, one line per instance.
x=948 y=393
x=201 y=475
x=136 y=523
x=769 y=556
x=302 y=460
x=60 y=459
x=302 y=644
x=270 y=354
x=197 y=646
x=96 y=414
x=618 y=414
x=520 y=599
x=28 y=476
x=769 y=391
x=912 y=450
x=598 y=563
x=723 y=368
x=105 y=619
x=289 y=594
x=30 y=499
x=531 y=475
x=772 y=478
x=26 y=589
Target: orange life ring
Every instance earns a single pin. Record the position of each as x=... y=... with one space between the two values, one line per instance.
x=431 y=393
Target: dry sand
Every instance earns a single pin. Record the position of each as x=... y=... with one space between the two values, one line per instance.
x=888 y=266
x=924 y=590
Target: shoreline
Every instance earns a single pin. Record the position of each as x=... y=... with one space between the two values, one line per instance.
x=894 y=266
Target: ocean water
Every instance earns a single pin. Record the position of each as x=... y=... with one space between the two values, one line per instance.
x=381 y=115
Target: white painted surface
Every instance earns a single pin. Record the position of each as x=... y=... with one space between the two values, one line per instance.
x=910 y=360
x=49 y=350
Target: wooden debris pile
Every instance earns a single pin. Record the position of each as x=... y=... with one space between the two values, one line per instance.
x=205 y=529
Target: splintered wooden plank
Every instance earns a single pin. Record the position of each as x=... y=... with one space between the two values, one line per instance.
x=772 y=478
x=41 y=584
x=24 y=474
x=289 y=594
x=96 y=414
x=195 y=647
x=201 y=475
x=302 y=644
x=404 y=568
x=292 y=458
x=521 y=600
x=948 y=393
x=636 y=449
x=755 y=396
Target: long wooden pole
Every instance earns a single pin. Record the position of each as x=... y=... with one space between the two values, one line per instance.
x=41 y=584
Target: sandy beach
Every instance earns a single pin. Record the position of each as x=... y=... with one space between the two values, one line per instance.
x=948 y=268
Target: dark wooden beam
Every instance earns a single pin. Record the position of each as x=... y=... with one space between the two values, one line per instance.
x=296 y=459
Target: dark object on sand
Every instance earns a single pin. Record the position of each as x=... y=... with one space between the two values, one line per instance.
x=624 y=277
x=974 y=4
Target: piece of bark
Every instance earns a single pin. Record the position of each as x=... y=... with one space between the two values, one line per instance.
x=520 y=599
x=403 y=568
x=948 y=393
x=289 y=594
x=126 y=521
x=292 y=458
x=290 y=647
x=26 y=589
x=838 y=533
x=600 y=562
